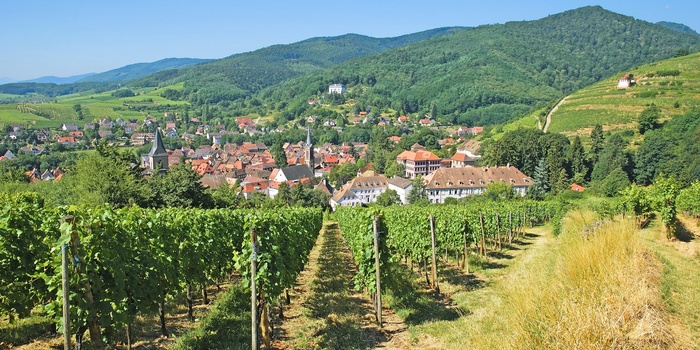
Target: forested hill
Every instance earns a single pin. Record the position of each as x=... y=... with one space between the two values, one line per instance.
x=140 y=70
x=678 y=27
x=242 y=74
x=492 y=73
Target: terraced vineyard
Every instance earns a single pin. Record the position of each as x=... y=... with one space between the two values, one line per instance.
x=673 y=85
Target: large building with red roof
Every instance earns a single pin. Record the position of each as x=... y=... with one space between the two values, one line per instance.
x=418 y=163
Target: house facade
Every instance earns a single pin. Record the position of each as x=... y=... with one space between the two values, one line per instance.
x=363 y=189
x=461 y=182
x=336 y=89
x=467 y=154
x=419 y=162
x=402 y=187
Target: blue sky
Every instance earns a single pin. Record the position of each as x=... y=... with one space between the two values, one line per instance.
x=71 y=37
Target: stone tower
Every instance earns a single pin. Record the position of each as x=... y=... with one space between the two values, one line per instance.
x=158 y=157
x=309 y=150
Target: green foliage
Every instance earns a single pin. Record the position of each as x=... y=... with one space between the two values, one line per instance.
x=417 y=192
x=688 y=199
x=615 y=182
x=127 y=261
x=23 y=253
x=96 y=180
x=122 y=93
x=388 y=198
x=239 y=76
x=499 y=190
x=662 y=196
x=179 y=186
x=611 y=157
x=649 y=118
x=540 y=182
x=673 y=149
x=491 y=79
x=285 y=238
x=405 y=231
x=635 y=200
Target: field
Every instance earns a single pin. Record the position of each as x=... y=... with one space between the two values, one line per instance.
x=94 y=106
x=673 y=85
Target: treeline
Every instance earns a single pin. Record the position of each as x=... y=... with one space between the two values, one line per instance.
x=609 y=164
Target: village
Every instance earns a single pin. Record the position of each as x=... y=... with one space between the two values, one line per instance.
x=251 y=167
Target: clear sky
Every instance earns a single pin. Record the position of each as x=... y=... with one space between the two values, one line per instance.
x=71 y=37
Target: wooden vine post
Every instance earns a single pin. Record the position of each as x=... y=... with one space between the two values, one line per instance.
x=378 y=298
x=510 y=228
x=66 y=297
x=465 y=256
x=432 y=238
x=498 y=232
x=253 y=290
x=483 y=234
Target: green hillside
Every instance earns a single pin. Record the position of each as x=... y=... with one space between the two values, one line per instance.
x=490 y=74
x=673 y=85
x=242 y=74
x=93 y=106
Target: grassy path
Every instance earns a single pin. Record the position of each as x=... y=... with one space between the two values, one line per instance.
x=478 y=294
x=326 y=312
x=681 y=260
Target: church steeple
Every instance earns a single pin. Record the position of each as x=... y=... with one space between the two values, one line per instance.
x=308 y=136
x=309 y=150
x=158 y=156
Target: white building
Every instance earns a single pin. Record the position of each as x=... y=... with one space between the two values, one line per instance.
x=467 y=154
x=336 y=89
x=361 y=190
x=402 y=187
x=461 y=182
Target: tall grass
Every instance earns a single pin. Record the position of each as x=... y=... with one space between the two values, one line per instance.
x=603 y=292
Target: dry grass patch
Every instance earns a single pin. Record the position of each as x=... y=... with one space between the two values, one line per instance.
x=602 y=292
x=594 y=287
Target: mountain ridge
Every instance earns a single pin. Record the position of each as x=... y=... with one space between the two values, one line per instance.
x=493 y=73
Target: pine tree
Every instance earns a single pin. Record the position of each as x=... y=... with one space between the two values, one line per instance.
x=577 y=158
x=540 y=182
x=278 y=153
x=596 y=143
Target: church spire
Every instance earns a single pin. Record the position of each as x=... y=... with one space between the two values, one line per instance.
x=158 y=156
x=157 y=148
x=309 y=150
x=308 y=136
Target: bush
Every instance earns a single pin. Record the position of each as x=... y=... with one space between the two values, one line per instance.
x=668 y=73
x=123 y=93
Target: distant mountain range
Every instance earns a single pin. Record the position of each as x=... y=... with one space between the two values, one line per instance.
x=57 y=80
x=140 y=70
x=126 y=73
x=5 y=80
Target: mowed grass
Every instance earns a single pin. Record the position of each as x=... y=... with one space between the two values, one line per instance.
x=603 y=103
